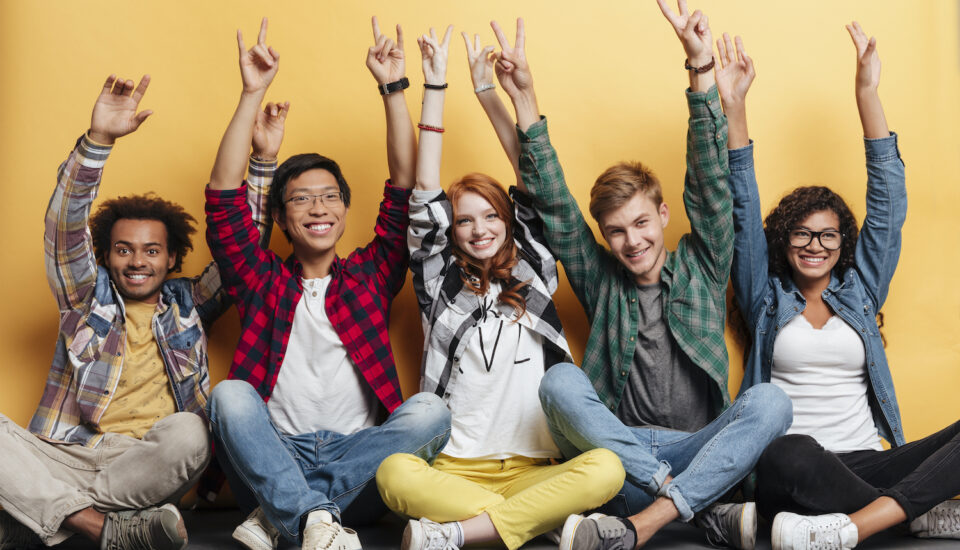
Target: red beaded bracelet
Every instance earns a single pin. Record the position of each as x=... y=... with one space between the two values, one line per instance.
x=429 y=128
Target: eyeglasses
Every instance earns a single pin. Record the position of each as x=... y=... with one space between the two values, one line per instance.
x=300 y=202
x=830 y=239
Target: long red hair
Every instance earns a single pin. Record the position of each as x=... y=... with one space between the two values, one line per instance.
x=474 y=275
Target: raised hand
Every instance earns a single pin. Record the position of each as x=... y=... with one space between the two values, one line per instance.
x=734 y=72
x=259 y=65
x=115 y=112
x=385 y=58
x=512 y=69
x=268 y=130
x=693 y=30
x=481 y=60
x=868 y=62
x=434 y=56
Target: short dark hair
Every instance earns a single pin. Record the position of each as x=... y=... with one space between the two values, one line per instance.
x=298 y=164
x=178 y=222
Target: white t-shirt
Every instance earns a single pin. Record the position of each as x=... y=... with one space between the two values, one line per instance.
x=824 y=373
x=319 y=387
x=495 y=405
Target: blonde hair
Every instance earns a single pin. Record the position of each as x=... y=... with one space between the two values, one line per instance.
x=619 y=183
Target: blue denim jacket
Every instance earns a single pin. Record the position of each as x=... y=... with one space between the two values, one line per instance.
x=769 y=302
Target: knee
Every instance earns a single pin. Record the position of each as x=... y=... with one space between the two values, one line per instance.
x=788 y=457
x=606 y=472
x=772 y=406
x=182 y=441
x=556 y=384
x=425 y=415
x=395 y=475
x=232 y=401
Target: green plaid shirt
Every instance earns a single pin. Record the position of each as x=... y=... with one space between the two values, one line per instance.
x=694 y=277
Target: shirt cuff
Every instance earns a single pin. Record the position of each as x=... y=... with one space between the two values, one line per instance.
x=881 y=149
x=225 y=198
x=519 y=197
x=741 y=158
x=424 y=196
x=536 y=132
x=704 y=104
x=92 y=154
x=398 y=194
x=261 y=168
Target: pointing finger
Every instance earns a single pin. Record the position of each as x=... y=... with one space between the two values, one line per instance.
x=376 y=28
x=262 y=37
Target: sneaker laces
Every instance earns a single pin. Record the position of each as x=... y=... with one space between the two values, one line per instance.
x=131 y=531
x=321 y=535
x=437 y=536
x=611 y=533
x=826 y=533
x=942 y=519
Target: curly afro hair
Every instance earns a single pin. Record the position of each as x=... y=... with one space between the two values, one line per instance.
x=793 y=209
x=179 y=224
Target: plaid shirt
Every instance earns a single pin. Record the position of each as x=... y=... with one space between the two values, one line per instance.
x=694 y=277
x=449 y=311
x=267 y=289
x=90 y=345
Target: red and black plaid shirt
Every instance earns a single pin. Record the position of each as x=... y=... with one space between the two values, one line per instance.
x=266 y=290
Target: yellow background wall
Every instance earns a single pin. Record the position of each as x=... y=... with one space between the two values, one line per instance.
x=609 y=76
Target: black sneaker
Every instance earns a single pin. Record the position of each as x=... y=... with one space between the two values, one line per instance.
x=729 y=525
x=150 y=529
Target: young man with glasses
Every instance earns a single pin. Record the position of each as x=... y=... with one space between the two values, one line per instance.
x=313 y=403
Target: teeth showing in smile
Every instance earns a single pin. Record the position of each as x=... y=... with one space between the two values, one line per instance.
x=319 y=227
x=637 y=254
x=812 y=259
x=482 y=242
x=137 y=277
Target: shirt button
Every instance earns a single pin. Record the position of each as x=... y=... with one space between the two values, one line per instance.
x=884 y=401
x=631 y=338
x=623 y=373
x=632 y=300
x=118 y=354
x=314 y=293
x=106 y=392
x=795 y=308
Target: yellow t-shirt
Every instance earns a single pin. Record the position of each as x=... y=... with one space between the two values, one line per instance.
x=143 y=395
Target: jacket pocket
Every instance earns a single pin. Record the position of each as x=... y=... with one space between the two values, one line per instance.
x=188 y=352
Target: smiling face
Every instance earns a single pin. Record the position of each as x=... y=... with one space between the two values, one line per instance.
x=812 y=264
x=634 y=232
x=315 y=225
x=138 y=258
x=477 y=228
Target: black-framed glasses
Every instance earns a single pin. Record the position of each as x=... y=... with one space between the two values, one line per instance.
x=831 y=239
x=333 y=198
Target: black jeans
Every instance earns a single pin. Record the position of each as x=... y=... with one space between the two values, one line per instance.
x=795 y=474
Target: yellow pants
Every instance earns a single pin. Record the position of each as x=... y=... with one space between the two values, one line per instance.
x=524 y=497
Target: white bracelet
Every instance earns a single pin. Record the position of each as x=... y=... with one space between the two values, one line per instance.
x=484 y=87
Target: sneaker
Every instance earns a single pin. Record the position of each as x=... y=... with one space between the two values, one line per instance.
x=940 y=522
x=596 y=532
x=324 y=533
x=731 y=525
x=257 y=533
x=150 y=529
x=827 y=532
x=15 y=535
x=424 y=534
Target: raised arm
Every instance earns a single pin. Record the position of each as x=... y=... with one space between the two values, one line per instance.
x=693 y=30
x=868 y=82
x=385 y=60
x=515 y=77
x=878 y=246
x=735 y=74
x=481 y=60
x=258 y=66
x=434 y=54
x=68 y=247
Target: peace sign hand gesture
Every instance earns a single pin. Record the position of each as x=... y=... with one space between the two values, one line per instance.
x=434 y=55
x=481 y=60
x=259 y=65
x=115 y=112
x=693 y=30
x=512 y=69
x=385 y=58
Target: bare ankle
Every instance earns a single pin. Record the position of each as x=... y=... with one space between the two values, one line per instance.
x=87 y=522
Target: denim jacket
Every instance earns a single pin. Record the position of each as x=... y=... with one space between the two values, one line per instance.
x=769 y=302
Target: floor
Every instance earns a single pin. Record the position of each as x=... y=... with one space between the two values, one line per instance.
x=210 y=529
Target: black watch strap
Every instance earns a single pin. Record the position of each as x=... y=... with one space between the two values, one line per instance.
x=391 y=87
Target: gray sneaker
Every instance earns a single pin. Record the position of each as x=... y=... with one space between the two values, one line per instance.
x=730 y=525
x=940 y=522
x=15 y=535
x=596 y=532
x=257 y=533
x=150 y=529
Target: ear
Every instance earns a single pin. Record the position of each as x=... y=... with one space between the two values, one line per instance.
x=280 y=219
x=664 y=215
x=171 y=261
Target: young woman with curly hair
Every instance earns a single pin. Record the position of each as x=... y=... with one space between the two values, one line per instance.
x=484 y=282
x=810 y=287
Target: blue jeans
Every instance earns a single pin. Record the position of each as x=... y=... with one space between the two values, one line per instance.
x=291 y=476
x=704 y=464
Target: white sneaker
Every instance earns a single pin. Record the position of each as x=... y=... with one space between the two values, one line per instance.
x=424 y=534
x=940 y=522
x=257 y=533
x=324 y=533
x=827 y=532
